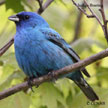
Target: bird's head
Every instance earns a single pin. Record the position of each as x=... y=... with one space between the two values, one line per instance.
x=28 y=20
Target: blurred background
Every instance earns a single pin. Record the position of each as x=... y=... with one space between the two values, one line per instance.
x=84 y=35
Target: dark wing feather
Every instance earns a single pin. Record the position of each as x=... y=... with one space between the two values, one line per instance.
x=56 y=39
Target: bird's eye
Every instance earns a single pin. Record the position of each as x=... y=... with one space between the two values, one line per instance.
x=27 y=17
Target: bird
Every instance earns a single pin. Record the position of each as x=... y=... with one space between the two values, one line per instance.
x=39 y=49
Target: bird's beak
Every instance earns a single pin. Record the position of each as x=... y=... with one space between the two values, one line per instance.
x=14 y=18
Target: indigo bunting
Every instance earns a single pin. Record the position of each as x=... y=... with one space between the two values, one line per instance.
x=39 y=50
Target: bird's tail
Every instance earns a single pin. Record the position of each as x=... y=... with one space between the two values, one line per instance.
x=87 y=90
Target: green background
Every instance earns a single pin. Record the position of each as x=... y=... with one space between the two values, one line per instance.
x=62 y=16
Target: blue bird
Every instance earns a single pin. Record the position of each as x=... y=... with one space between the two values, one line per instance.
x=40 y=50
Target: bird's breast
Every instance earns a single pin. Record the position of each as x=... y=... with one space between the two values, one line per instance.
x=39 y=56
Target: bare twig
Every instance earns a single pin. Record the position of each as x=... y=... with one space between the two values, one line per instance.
x=93 y=15
x=2 y=2
x=40 y=4
x=78 y=26
x=56 y=74
x=104 y=20
x=82 y=10
x=47 y=3
x=7 y=46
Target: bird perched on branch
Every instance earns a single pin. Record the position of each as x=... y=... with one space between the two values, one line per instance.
x=40 y=50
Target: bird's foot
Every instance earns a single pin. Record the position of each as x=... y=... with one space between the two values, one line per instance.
x=36 y=86
x=30 y=80
x=52 y=75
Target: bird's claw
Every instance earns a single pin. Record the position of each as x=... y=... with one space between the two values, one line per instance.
x=30 y=83
x=52 y=76
x=37 y=86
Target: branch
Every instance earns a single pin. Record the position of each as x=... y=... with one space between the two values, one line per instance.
x=2 y=2
x=93 y=15
x=6 y=47
x=40 y=4
x=104 y=20
x=47 y=3
x=77 y=27
x=39 y=11
x=56 y=74
x=82 y=10
x=78 y=24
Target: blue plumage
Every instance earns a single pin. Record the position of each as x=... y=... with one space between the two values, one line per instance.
x=40 y=49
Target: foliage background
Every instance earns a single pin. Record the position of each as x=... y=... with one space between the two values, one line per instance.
x=62 y=16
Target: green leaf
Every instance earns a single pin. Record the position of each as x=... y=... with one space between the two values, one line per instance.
x=16 y=76
x=19 y=100
x=86 y=44
x=50 y=96
x=15 y=5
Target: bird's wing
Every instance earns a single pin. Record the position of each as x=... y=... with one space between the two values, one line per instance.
x=54 y=37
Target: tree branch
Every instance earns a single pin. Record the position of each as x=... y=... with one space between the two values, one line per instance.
x=93 y=15
x=82 y=10
x=78 y=24
x=2 y=2
x=40 y=4
x=39 y=11
x=104 y=20
x=56 y=74
x=77 y=27
x=6 y=47
x=47 y=3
